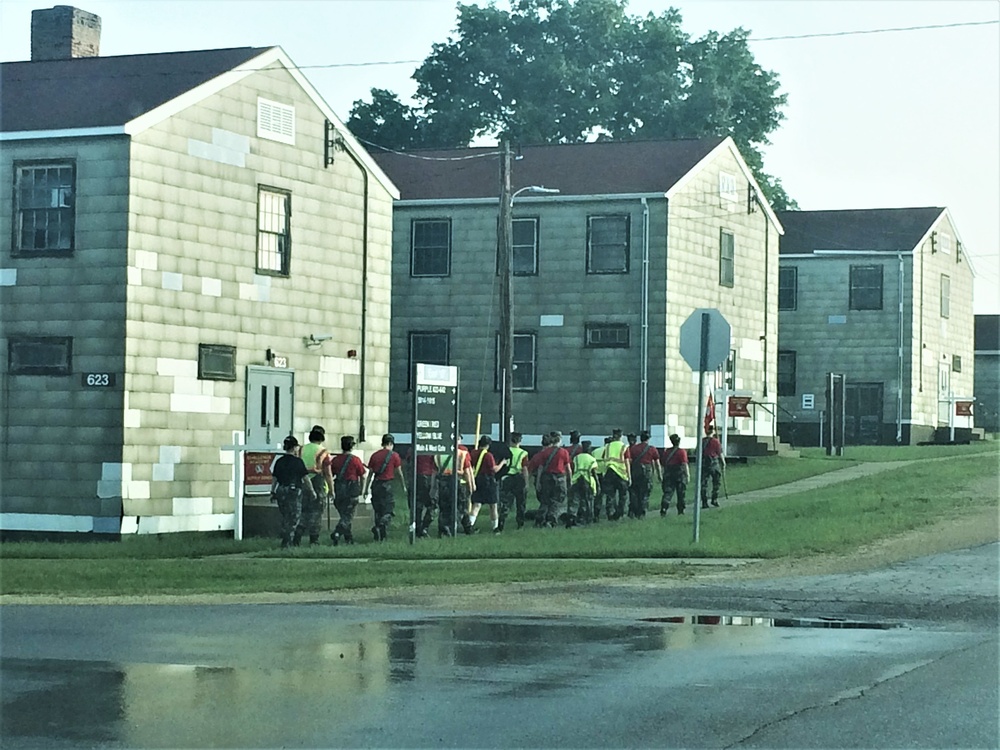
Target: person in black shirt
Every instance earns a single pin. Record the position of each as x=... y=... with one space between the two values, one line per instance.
x=288 y=473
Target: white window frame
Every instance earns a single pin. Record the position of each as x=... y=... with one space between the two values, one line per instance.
x=54 y=215
x=606 y=336
x=945 y=296
x=533 y=362
x=275 y=121
x=626 y=221
x=415 y=250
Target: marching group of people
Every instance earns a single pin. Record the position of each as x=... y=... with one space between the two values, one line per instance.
x=575 y=484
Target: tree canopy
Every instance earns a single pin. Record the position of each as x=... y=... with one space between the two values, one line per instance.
x=561 y=71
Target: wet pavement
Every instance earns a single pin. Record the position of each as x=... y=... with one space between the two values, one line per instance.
x=330 y=675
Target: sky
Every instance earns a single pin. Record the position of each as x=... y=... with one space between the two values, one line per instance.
x=873 y=120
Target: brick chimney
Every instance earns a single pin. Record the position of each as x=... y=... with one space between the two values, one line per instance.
x=64 y=32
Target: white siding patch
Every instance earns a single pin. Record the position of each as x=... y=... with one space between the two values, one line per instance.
x=343 y=365
x=836 y=320
x=263 y=288
x=211 y=287
x=185 y=368
x=8 y=276
x=331 y=380
x=134 y=276
x=944 y=329
x=170 y=454
x=136 y=490
x=751 y=350
x=174 y=281
x=550 y=321
x=146 y=259
x=672 y=421
x=194 y=403
x=225 y=148
x=167 y=524
x=132 y=418
x=163 y=472
x=45 y=522
x=248 y=292
x=192 y=506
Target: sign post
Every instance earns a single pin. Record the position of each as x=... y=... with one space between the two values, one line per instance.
x=705 y=341
x=435 y=426
x=244 y=480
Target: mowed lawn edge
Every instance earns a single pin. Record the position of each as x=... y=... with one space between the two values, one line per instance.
x=834 y=519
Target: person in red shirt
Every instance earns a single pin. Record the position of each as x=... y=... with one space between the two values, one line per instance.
x=551 y=468
x=712 y=466
x=485 y=467
x=644 y=462
x=675 y=475
x=384 y=466
x=425 y=490
x=348 y=471
x=446 y=500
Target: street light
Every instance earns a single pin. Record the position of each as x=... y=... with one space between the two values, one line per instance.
x=505 y=241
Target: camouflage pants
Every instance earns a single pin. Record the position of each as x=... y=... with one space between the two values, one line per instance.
x=580 y=505
x=313 y=500
x=614 y=489
x=513 y=492
x=289 y=499
x=426 y=497
x=383 y=503
x=673 y=482
x=711 y=470
x=551 y=498
x=345 y=500
x=638 y=491
x=446 y=506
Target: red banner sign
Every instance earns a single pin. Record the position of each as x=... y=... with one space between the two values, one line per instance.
x=257 y=469
x=738 y=406
x=963 y=408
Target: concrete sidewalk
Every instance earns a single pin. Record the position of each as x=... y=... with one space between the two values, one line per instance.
x=858 y=471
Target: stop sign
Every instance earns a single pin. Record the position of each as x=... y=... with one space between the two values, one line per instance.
x=718 y=344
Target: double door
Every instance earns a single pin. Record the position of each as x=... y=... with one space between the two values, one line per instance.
x=270 y=405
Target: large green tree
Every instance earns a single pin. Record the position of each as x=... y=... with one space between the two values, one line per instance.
x=559 y=71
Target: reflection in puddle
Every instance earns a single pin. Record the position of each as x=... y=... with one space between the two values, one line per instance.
x=777 y=622
x=241 y=689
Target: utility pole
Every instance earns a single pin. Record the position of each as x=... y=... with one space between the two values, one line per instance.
x=505 y=231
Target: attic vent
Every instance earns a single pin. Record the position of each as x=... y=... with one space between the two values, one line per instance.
x=276 y=122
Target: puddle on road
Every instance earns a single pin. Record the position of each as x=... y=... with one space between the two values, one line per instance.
x=216 y=688
x=777 y=622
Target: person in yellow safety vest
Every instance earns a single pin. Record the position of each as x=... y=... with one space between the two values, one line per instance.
x=514 y=483
x=582 y=487
x=617 y=478
x=446 y=500
x=602 y=466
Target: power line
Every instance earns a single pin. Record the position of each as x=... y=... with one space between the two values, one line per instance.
x=873 y=31
x=855 y=32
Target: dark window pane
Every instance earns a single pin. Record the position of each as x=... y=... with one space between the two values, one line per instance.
x=216 y=362
x=786 y=373
x=607 y=250
x=788 y=288
x=431 y=247
x=866 y=288
x=41 y=355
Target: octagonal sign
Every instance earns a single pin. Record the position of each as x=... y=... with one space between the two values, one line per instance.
x=719 y=334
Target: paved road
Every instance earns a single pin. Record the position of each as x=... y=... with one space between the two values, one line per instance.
x=404 y=675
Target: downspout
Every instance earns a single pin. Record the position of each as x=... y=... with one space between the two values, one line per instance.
x=644 y=329
x=767 y=303
x=899 y=374
x=364 y=287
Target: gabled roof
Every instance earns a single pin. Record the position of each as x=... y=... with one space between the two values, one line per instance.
x=602 y=168
x=127 y=94
x=987 y=334
x=875 y=230
x=90 y=92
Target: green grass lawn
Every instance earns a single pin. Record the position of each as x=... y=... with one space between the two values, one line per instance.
x=837 y=518
x=905 y=452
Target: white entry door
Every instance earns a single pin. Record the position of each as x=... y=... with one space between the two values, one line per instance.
x=270 y=405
